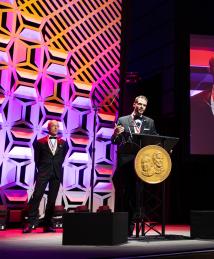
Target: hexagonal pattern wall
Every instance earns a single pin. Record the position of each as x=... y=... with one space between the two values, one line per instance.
x=59 y=59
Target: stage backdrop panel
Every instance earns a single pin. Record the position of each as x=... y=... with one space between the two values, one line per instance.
x=57 y=59
x=201 y=95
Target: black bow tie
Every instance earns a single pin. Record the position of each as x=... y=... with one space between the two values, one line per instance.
x=52 y=137
x=137 y=117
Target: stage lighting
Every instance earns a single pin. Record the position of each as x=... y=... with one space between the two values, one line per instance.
x=59 y=210
x=82 y=208
x=3 y=217
x=132 y=77
x=104 y=209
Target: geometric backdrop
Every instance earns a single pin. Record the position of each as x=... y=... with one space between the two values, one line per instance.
x=58 y=59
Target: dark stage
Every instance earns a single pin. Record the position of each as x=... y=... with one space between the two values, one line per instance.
x=175 y=244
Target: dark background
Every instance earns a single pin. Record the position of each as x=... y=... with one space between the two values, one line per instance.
x=155 y=45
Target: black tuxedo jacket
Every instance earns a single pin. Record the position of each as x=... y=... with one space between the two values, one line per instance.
x=148 y=127
x=47 y=163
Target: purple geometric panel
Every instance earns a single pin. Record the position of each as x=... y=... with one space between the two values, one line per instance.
x=57 y=63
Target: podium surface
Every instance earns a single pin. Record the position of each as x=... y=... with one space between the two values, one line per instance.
x=136 y=141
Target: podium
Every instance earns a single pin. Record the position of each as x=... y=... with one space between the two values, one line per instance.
x=127 y=151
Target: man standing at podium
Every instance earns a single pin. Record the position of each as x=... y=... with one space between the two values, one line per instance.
x=135 y=122
x=126 y=183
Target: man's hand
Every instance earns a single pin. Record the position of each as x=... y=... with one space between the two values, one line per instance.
x=118 y=129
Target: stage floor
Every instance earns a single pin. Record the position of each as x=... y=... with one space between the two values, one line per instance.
x=175 y=244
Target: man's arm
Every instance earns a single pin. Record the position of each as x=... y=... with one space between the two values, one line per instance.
x=66 y=147
x=36 y=153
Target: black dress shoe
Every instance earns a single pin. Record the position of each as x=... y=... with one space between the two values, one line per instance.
x=27 y=229
x=49 y=230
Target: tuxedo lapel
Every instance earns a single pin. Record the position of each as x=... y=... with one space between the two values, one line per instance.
x=144 y=122
x=47 y=144
x=58 y=143
x=130 y=124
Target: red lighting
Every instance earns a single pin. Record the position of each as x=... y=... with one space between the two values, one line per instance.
x=199 y=58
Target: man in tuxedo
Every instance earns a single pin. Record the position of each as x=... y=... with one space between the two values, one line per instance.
x=126 y=183
x=49 y=153
x=135 y=122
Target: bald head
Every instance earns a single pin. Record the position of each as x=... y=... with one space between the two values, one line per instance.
x=53 y=127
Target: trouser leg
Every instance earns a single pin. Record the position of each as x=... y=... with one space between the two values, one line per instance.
x=52 y=195
x=35 y=200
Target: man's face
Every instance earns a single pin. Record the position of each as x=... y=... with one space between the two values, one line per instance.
x=146 y=163
x=140 y=106
x=53 y=128
x=158 y=159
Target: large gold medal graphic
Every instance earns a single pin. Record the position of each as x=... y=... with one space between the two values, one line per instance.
x=152 y=164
